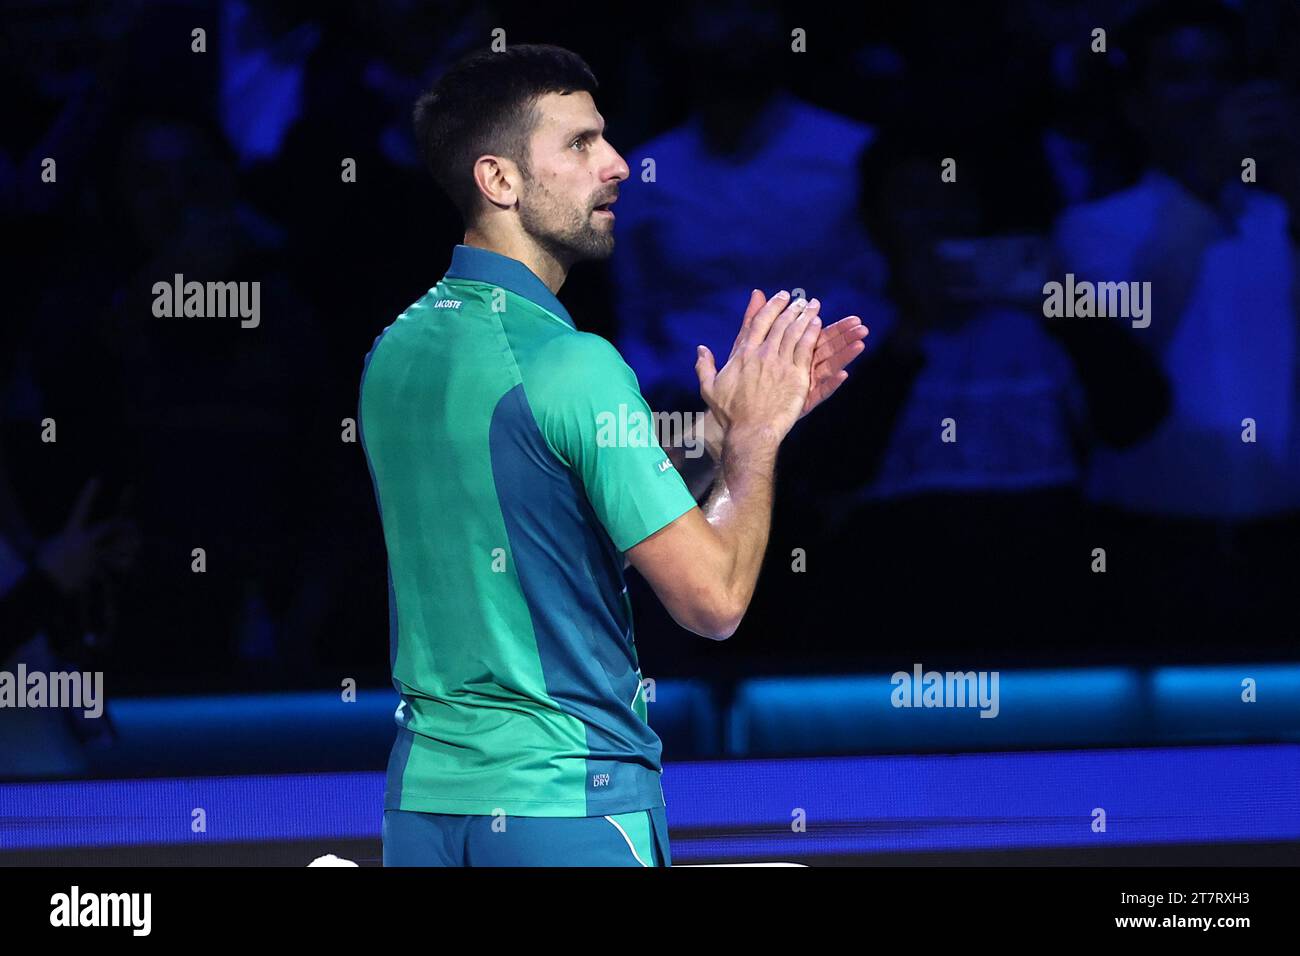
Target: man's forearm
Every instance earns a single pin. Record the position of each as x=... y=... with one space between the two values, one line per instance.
x=740 y=507
x=699 y=471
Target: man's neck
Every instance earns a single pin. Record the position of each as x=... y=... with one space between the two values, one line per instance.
x=545 y=266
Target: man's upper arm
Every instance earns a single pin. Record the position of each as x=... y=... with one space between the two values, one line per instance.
x=667 y=557
x=592 y=415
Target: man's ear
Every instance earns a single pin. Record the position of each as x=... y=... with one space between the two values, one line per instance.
x=498 y=180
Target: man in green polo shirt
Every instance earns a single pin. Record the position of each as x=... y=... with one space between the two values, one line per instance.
x=509 y=511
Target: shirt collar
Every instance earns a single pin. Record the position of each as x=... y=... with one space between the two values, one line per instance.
x=483 y=265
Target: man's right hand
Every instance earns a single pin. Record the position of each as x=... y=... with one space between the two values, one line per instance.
x=764 y=384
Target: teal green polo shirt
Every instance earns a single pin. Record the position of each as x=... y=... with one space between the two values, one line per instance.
x=507 y=503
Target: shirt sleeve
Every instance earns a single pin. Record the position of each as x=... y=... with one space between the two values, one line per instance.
x=589 y=407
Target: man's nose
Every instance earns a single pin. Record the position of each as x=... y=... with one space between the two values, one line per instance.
x=618 y=170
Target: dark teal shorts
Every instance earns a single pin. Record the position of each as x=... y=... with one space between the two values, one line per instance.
x=639 y=838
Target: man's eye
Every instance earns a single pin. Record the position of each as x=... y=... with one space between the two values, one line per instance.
x=579 y=141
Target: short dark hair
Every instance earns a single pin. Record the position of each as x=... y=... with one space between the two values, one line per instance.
x=486 y=103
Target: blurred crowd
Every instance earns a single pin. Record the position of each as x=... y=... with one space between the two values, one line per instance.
x=956 y=501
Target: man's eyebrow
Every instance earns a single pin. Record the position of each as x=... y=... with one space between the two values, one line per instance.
x=586 y=132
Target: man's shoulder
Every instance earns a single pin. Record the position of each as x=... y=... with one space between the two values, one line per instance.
x=572 y=369
x=570 y=358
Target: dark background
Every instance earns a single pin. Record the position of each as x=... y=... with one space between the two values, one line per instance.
x=226 y=165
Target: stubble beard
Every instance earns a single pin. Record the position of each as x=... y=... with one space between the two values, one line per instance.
x=566 y=233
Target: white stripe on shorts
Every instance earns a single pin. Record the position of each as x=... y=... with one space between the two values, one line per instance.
x=628 y=839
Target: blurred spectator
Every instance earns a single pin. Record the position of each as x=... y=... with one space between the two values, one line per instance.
x=971 y=539
x=57 y=612
x=1201 y=525
x=220 y=422
x=263 y=66
x=757 y=188
x=1088 y=147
